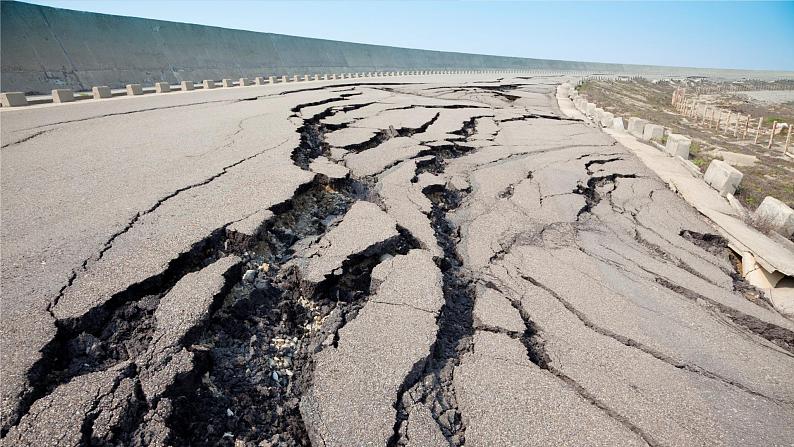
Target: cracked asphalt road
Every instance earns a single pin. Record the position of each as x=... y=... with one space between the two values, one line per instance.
x=421 y=261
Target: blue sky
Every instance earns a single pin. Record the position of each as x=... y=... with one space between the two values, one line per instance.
x=750 y=35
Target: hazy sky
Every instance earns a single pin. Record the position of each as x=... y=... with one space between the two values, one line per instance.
x=752 y=35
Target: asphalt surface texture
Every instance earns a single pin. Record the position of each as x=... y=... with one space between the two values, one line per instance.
x=402 y=261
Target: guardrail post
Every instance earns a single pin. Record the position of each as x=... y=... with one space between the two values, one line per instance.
x=134 y=89
x=14 y=99
x=60 y=95
x=101 y=91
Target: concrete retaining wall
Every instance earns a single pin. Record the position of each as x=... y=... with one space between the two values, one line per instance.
x=45 y=48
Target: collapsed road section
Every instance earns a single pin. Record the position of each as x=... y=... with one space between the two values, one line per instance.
x=374 y=264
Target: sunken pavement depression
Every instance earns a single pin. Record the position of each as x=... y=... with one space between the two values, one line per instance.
x=411 y=261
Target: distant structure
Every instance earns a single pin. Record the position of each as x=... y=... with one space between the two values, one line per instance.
x=47 y=48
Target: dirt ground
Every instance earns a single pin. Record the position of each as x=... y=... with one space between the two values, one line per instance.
x=773 y=172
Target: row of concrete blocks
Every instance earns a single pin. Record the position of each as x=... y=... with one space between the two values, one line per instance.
x=772 y=213
x=17 y=99
x=599 y=116
x=719 y=174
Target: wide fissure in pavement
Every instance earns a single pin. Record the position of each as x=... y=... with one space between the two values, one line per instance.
x=259 y=346
x=430 y=382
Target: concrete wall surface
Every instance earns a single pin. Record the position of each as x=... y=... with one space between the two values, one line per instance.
x=45 y=48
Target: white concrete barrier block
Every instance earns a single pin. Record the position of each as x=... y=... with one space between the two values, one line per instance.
x=723 y=177
x=208 y=84
x=295 y=78
x=305 y=78
x=101 y=92
x=316 y=77
x=162 y=87
x=271 y=79
x=617 y=124
x=259 y=80
x=13 y=99
x=244 y=82
x=678 y=145
x=637 y=126
x=606 y=119
x=776 y=214
x=652 y=132
x=284 y=78
x=134 y=89
x=62 y=95
x=186 y=86
x=325 y=77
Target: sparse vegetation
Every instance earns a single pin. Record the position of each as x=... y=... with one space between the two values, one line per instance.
x=662 y=140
